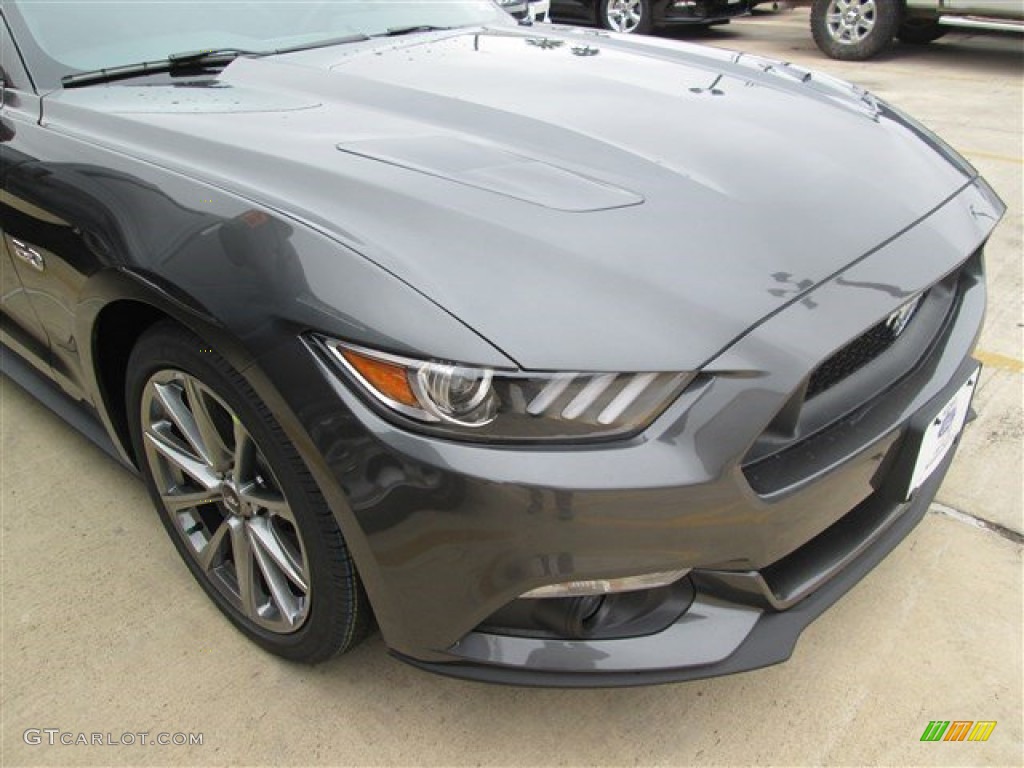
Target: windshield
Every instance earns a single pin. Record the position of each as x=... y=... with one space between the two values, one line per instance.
x=68 y=37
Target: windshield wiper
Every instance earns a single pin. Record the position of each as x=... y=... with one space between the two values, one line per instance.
x=412 y=29
x=192 y=60
x=358 y=37
x=189 y=60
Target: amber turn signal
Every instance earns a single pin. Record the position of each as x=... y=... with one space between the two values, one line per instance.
x=387 y=378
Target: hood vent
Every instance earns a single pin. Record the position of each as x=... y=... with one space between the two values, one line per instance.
x=495 y=170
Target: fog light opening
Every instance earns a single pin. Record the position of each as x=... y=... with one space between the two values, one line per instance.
x=605 y=616
x=571 y=618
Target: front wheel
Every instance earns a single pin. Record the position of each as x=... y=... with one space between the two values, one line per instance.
x=854 y=30
x=627 y=16
x=238 y=502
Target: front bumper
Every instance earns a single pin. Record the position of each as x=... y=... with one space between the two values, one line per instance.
x=715 y=636
x=446 y=535
x=701 y=11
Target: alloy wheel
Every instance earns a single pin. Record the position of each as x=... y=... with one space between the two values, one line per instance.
x=224 y=501
x=624 y=15
x=850 y=21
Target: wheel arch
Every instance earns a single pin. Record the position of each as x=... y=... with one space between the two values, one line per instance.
x=116 y=309
x=128 y=304
x=116 y=331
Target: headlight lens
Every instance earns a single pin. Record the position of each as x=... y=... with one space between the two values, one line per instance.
x=499 y=405
x=456 y=394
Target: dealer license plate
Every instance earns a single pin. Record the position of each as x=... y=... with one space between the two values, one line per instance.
x=942 y=432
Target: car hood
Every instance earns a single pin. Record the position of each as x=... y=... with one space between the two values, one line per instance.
x=582 y=201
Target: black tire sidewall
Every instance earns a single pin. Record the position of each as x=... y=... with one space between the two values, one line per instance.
x=889 y=16
x=337 y=615
x=646 y=22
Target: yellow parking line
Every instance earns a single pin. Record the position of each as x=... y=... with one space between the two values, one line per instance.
x=992 y=156
x=1002 y=362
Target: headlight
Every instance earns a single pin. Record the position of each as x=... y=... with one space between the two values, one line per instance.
x=500 y=405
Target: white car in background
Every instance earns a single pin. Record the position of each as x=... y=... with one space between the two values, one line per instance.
x=535 y=10
x=540 y=10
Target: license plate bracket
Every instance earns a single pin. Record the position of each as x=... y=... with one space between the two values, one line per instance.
x=929 y=440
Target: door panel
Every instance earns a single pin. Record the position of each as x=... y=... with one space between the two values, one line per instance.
x=1011 y=9
x=37 y=313
x=20 y=328
x=43 y=248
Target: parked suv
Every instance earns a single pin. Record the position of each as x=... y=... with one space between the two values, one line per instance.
x=858 y=29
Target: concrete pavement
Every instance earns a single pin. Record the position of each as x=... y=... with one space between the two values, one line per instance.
x=104 y=631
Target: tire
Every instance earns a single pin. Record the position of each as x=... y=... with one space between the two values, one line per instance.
x=238 y=502
x=855 y=30
x=626 y=16
x=920 y=31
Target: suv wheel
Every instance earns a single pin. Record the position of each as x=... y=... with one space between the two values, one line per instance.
x=854 y=30
x=627 y=16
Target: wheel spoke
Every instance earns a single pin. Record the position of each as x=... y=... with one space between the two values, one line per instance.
x=244 y=454
x=287 y=604
x=207 y=556
x=617 y=14
x=214 y=449
x=266 y=541
x=178 y=500
x=241 y=554
x=176 y=454
x=174 y=407
x=269 y=500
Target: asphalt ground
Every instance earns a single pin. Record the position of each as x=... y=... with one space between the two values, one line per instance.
x=104 y=631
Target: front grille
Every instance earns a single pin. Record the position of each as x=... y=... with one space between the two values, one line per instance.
x=861 y=350
x=821 y=425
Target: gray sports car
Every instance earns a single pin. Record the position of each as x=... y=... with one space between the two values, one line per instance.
x=569 y=358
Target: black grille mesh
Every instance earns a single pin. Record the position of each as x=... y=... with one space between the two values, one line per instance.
x=854 y=356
